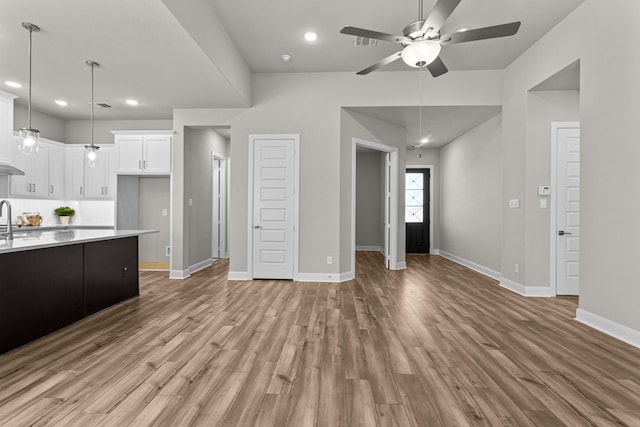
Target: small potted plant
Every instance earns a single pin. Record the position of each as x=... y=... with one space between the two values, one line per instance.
x=64 y=214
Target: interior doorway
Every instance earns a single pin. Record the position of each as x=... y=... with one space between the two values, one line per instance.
x=565 y=208
x=390 y=201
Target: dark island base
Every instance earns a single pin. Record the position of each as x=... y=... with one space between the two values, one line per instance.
x=43 y=290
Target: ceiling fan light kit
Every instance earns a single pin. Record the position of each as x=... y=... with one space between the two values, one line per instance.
x=421 y=53
x=421 y=40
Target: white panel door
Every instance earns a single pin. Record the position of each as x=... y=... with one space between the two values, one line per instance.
x=273 y=208
x=568 y=212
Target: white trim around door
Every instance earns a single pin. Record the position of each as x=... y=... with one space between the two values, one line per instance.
x=219 y=206
x=295 y=140
x=431 y=179
x=392 y=179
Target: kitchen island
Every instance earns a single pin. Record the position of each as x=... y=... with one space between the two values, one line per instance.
x=52 y=279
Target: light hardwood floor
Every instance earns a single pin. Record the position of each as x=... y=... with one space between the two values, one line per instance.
x=433 y=345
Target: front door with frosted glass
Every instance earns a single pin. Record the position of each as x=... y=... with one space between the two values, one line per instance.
x=416 y=214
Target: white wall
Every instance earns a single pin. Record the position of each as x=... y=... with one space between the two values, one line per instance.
x=199 y=148
x=470 y=216
x=369 y=200
x=79 y=131
x=310 y=104
x=543 y=108
x=609 y=152
x=50 y=127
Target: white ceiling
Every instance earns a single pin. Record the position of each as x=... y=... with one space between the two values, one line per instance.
x=440 y=124
x=146 y=53
x=263 y=30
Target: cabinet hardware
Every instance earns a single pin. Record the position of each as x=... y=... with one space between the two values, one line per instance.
x=144 y=163
x=139 y=164
x=51 y=188
x=81 y=190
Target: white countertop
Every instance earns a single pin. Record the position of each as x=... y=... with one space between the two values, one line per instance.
x=41 y=239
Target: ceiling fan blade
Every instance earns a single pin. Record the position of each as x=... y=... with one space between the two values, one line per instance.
x=354 y=31
x=481 y=33
x=441 y=11
x=437 y=67
x=388 y=60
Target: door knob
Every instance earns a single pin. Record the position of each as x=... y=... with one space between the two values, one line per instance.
x=257 y=227
x=562 y=233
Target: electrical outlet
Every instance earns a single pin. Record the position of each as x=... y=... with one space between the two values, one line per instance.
x=516 y=268
x=190 y=201
x=167 y=250
x=164 y=212
x=329 y=260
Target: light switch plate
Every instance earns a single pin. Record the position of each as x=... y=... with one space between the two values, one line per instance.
x=543 y=203
x=544 y=190
x=514 y=203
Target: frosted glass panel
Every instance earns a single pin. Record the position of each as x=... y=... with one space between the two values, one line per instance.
x=414 y=181
x=413 y=214
x=414 y=198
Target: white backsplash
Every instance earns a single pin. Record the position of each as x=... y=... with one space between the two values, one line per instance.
x=88 y=212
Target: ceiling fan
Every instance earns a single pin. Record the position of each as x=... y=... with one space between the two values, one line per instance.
x=422 y=41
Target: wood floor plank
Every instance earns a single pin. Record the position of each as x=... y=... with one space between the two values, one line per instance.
x=436 y=344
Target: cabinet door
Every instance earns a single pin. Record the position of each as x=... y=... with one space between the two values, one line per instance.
x=156 y=158
x=95 y=177
x=129 y=155
x=6 y=127
x=56 y=172
x=19 y=184
x=75 y=173
x=39 y=173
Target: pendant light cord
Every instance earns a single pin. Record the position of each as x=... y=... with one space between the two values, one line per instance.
x=30 y=42
x=92 y=103
x=420 y=105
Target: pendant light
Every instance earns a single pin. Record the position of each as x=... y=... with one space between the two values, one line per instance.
x=28 y=137
x=92 y=149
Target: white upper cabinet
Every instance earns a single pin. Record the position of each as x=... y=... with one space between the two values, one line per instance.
x=98 y=179
x=143 y=152
x=6 y=126
x=35 y=181
x=84 y=182
x=57 y=171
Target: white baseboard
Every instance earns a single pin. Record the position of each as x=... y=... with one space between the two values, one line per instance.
x=609 y=327
x=349 y=275
x=239 y=275
x=435 y=252
x=366 y=248
x=179 y=274
x=470 y=264
x=527 y=291
x=200 y=265
x=322 y=277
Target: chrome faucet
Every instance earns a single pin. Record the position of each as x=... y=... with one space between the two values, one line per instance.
x=9 y=234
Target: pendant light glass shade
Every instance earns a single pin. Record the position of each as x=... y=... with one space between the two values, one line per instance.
x=421 y=53
x=28 y=137
x=92 y=149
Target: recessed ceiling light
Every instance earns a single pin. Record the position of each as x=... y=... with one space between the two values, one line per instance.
x=285 y=57
x=132 y=102
x=61 y=103
x=13 y=84
x=424 y=140
x=310 y=36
